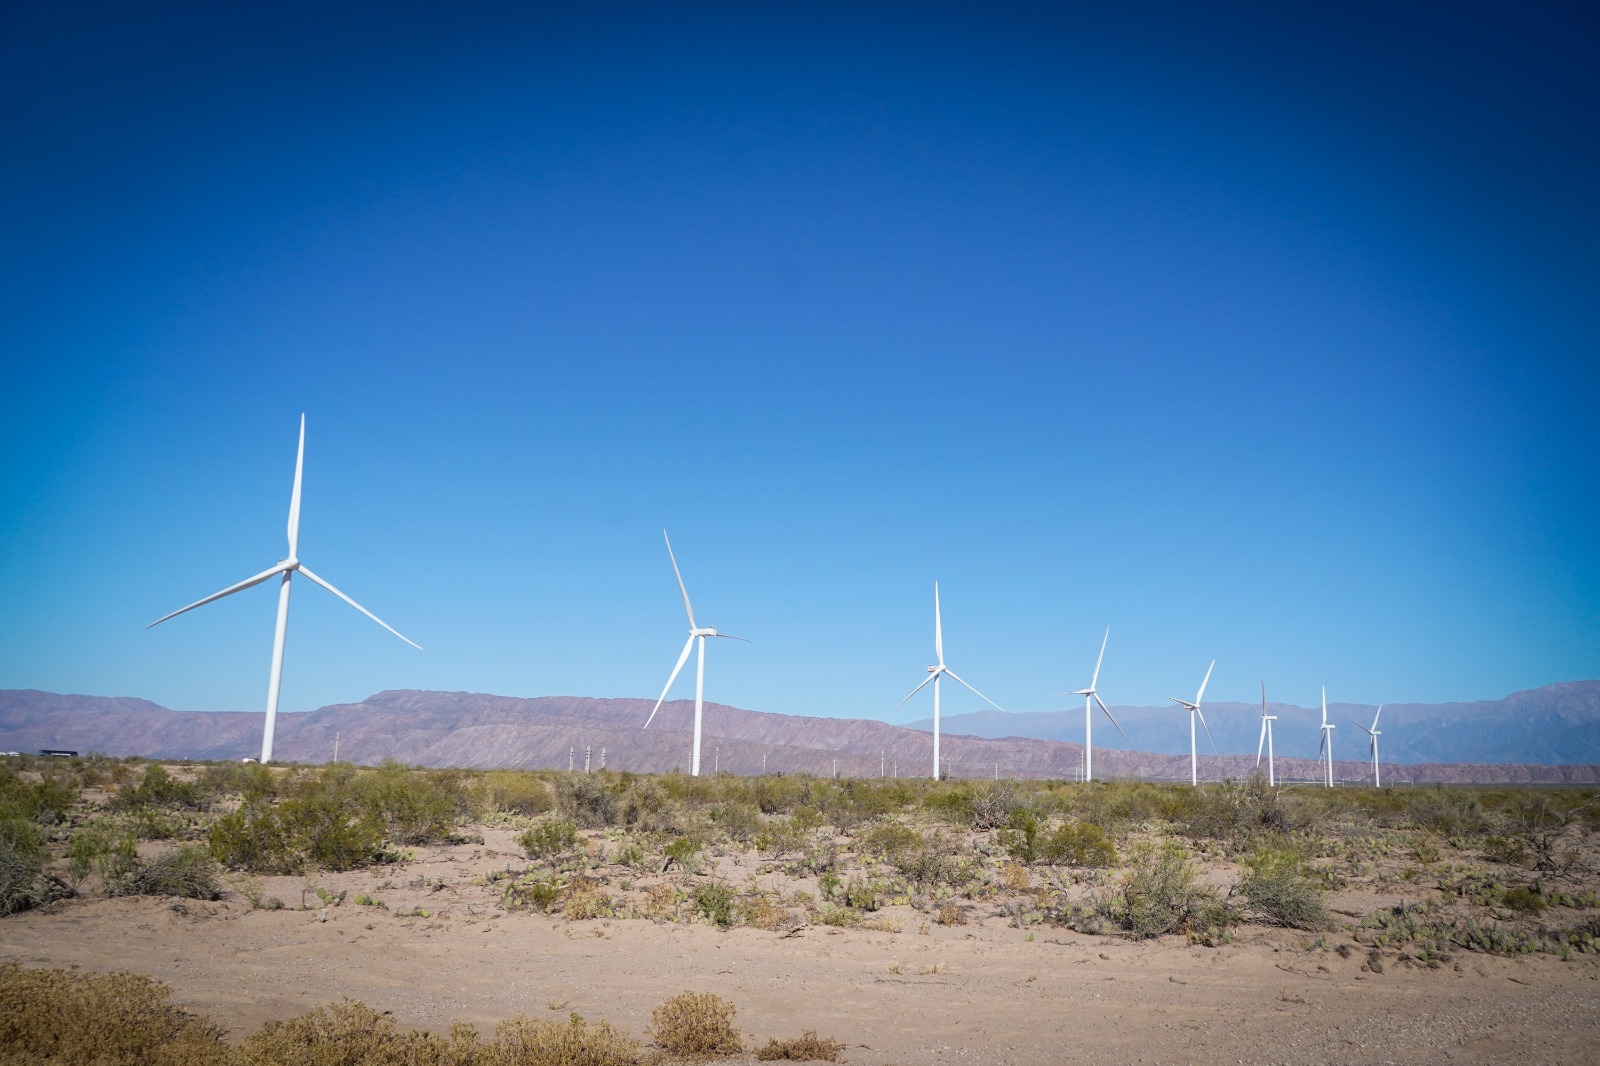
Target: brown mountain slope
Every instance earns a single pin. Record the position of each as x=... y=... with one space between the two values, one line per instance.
x=477 y=730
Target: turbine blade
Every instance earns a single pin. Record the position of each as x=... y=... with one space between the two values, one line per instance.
x=1181 y=703
x=975 y=692
x=360 y=608
x=1096 y=679
x=1111 y=716
x=1375 y=718
x=248 y=582
x=1261 y=745
x=1322 y=748
x=1365 y=730
x=673 y=677
x=1324 y=704
x=1263 y=697
x=730 y=636
x=938 y=626
x=1207 y=728
x=1198 y=696
x=916 y=690
x=294 y=497
x=688 y=610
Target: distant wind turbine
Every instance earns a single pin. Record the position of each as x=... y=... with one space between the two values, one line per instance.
x=1374 y=733
x=1266 y=735
x=934 y=673
x=1194 y=709
x=1325 y=749
x=1089 y=694
x=695 y=633
x=288 y=568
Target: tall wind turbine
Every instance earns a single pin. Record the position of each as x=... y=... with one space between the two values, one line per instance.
x=695 y=633
x=288 y=568
x=1325 y=749
x=1089 y=694
x=934 y=673
x=1374 y=733
x=1266 y=735
x=1194 y=709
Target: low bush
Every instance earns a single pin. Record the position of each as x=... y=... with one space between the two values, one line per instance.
x=696 y=1025
x=548 y=838
x=115 y=1019
x=187 y=871
x=517 y=792
x=22 y=881
x=1160 y=894
x=160 y=789
x=1280 y=889
x=414 y=806
x=714 y=900
x=524 y=1041
x=585 y=799
x=807 y=1047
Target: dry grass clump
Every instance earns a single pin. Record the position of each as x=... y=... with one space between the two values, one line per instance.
x=110 y=1019
x=524 y=1041
x=950 y=914
x=188 y=872
x=696 y=1025
x=807 y=1047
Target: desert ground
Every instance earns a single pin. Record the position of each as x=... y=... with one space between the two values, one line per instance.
x=911 y=991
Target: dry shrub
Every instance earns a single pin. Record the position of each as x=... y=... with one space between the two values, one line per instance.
x=696 y=1025
x=187 y=872
x=950 y=914
x=807 y=1047
x=347 y=1033
x=110 y=1019
x=1014 y=877
x=524 y=1041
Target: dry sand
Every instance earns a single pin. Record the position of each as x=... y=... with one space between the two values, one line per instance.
x=928 y=993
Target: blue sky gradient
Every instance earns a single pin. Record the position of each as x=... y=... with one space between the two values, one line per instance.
x=1267 y=336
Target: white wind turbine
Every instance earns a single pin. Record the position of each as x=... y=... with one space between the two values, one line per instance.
x=1374 y=733
x=1325 y=749
x=934 y=673
x=288 y=568
x=1089 y=694
x=1194 y=709
x=1266 y=735
x=695 y=633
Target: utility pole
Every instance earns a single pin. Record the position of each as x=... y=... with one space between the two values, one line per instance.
x=586 y=758
x=602 y=758
x=336 y=747
x=716 y=762
x=571 y=755
x=763 y=764
x=836 y=769
x=880 y=762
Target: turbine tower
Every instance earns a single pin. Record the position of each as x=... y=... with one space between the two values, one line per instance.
x=290 y=566
x=1089 y=694
x=1194 y=709
x=695 y=633
x=1325 y=749
x=1374 y=733
x=1266 y=736
x=934 y=673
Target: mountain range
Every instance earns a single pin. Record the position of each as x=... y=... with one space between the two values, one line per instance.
x=1553 y=734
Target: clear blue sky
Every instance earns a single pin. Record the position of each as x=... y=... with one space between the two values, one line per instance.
x=1265 y=335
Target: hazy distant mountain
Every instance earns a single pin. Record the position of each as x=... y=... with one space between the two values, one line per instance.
x=476 y=730
x=1557 y=725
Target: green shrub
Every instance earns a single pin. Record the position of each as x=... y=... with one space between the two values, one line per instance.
x=684 y=852
x=47 y=801
x=738 y=821
x=1525 y=901
x=1080 y=844
x=1160 y=894
x=158 y=788
x=319 y=823
x=714 y=900
x=696 y=1025
x=548 y=838
x=22 y=880
x=585 y=799
x=517 y=792
x=1280 y=889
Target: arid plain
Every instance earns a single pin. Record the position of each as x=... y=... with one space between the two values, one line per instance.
x=1439 y=943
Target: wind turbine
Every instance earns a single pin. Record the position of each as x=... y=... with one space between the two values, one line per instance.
x=1266 y=735
x=1325 y=749
x=695 y=633
x=1374 y=733
x=934 y=673
x=1194 y=709
x=1089 y=694
x=288 y=568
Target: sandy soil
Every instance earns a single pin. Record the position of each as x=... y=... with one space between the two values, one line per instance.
x=983 y=992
